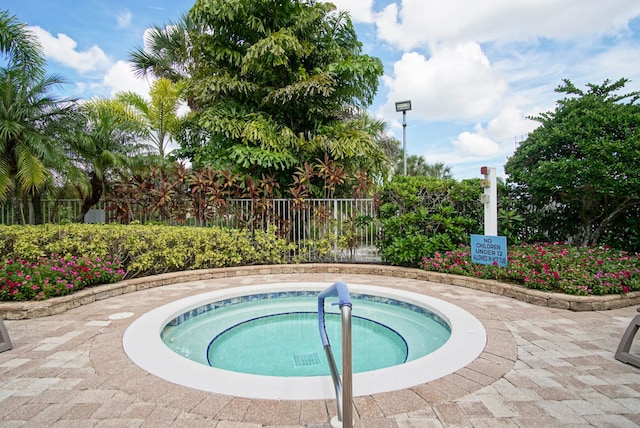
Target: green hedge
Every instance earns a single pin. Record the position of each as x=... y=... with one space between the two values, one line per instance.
x=421 y=216
x=145 y=249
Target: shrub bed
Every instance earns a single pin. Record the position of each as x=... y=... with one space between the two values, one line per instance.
x=52 y=260
x=54 y=276
x=550 y=267
x=422 y=215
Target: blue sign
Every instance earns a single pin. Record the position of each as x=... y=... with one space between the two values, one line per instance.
x=489 y=250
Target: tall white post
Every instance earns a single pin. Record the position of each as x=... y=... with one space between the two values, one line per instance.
x=490 y=199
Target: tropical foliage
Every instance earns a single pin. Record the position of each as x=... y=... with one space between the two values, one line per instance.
x=417 y=165
x=19 y=47
x=71 y=256
x=576 y=176
x=166 y=51
x=278 y=99
x=420 y=216
x=159 y=115
x=110 y=139
x=175 y=194
x=274 y=87
x=32 y=121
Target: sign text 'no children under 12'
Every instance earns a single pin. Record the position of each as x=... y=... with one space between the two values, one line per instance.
x=488 y=250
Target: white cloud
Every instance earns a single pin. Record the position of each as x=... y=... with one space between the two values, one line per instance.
x=476 y=145
x=498 y=137
x=511 y=123
x=454 y=83
x=121 y=77
x=124 y=19
x=408 y=24
x=62 y=49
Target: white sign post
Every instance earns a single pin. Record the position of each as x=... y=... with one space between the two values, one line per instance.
x=490 y=201
x=489 y=249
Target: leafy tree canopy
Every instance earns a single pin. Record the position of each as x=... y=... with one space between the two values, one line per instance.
x=581 y=165
x=277 y=84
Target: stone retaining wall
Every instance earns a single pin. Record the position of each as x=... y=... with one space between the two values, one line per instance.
x=22 y=310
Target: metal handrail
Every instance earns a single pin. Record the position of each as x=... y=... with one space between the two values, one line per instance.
x=344 y=390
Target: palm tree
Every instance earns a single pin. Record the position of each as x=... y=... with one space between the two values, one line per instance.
x=439 y=170
x=109 y=142
x=20 y=46
x=417 y=165
x=159 y=114
x=32 y=124
x=376 y=146
x=167 y=51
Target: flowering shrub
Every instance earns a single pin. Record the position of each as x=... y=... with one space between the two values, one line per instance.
x=54 y=276
x=146 y=249
x=551 y=267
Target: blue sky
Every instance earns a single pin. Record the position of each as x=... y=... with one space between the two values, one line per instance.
x=473 y=70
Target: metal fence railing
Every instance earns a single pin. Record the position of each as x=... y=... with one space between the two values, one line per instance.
x=343 y=230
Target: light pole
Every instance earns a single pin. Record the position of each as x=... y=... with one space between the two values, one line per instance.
x=404 y=106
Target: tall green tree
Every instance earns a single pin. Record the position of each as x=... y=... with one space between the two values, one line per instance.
x=276 y=84
x=31 y=124
x=159 y=114
x=578 y=173
x=110 y=141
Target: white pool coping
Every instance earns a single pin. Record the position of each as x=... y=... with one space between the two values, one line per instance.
x=144 y=346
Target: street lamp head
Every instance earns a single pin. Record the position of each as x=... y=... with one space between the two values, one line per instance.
x=403 y=105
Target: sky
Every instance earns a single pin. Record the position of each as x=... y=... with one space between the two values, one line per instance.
x=474 y=71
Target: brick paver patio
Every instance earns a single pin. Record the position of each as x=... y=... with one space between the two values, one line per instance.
x=542 y=367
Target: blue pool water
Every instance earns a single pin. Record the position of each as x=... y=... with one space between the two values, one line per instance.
x=276 y=334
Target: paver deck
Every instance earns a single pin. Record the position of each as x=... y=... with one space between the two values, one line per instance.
x=542 y=367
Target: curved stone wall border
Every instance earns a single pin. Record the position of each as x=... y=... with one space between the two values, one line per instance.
x=23 y=310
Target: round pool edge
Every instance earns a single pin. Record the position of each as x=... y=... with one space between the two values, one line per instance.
x=143 y=346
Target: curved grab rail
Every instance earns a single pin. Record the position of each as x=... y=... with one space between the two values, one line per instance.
x=339 y=289
x=344 y=390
